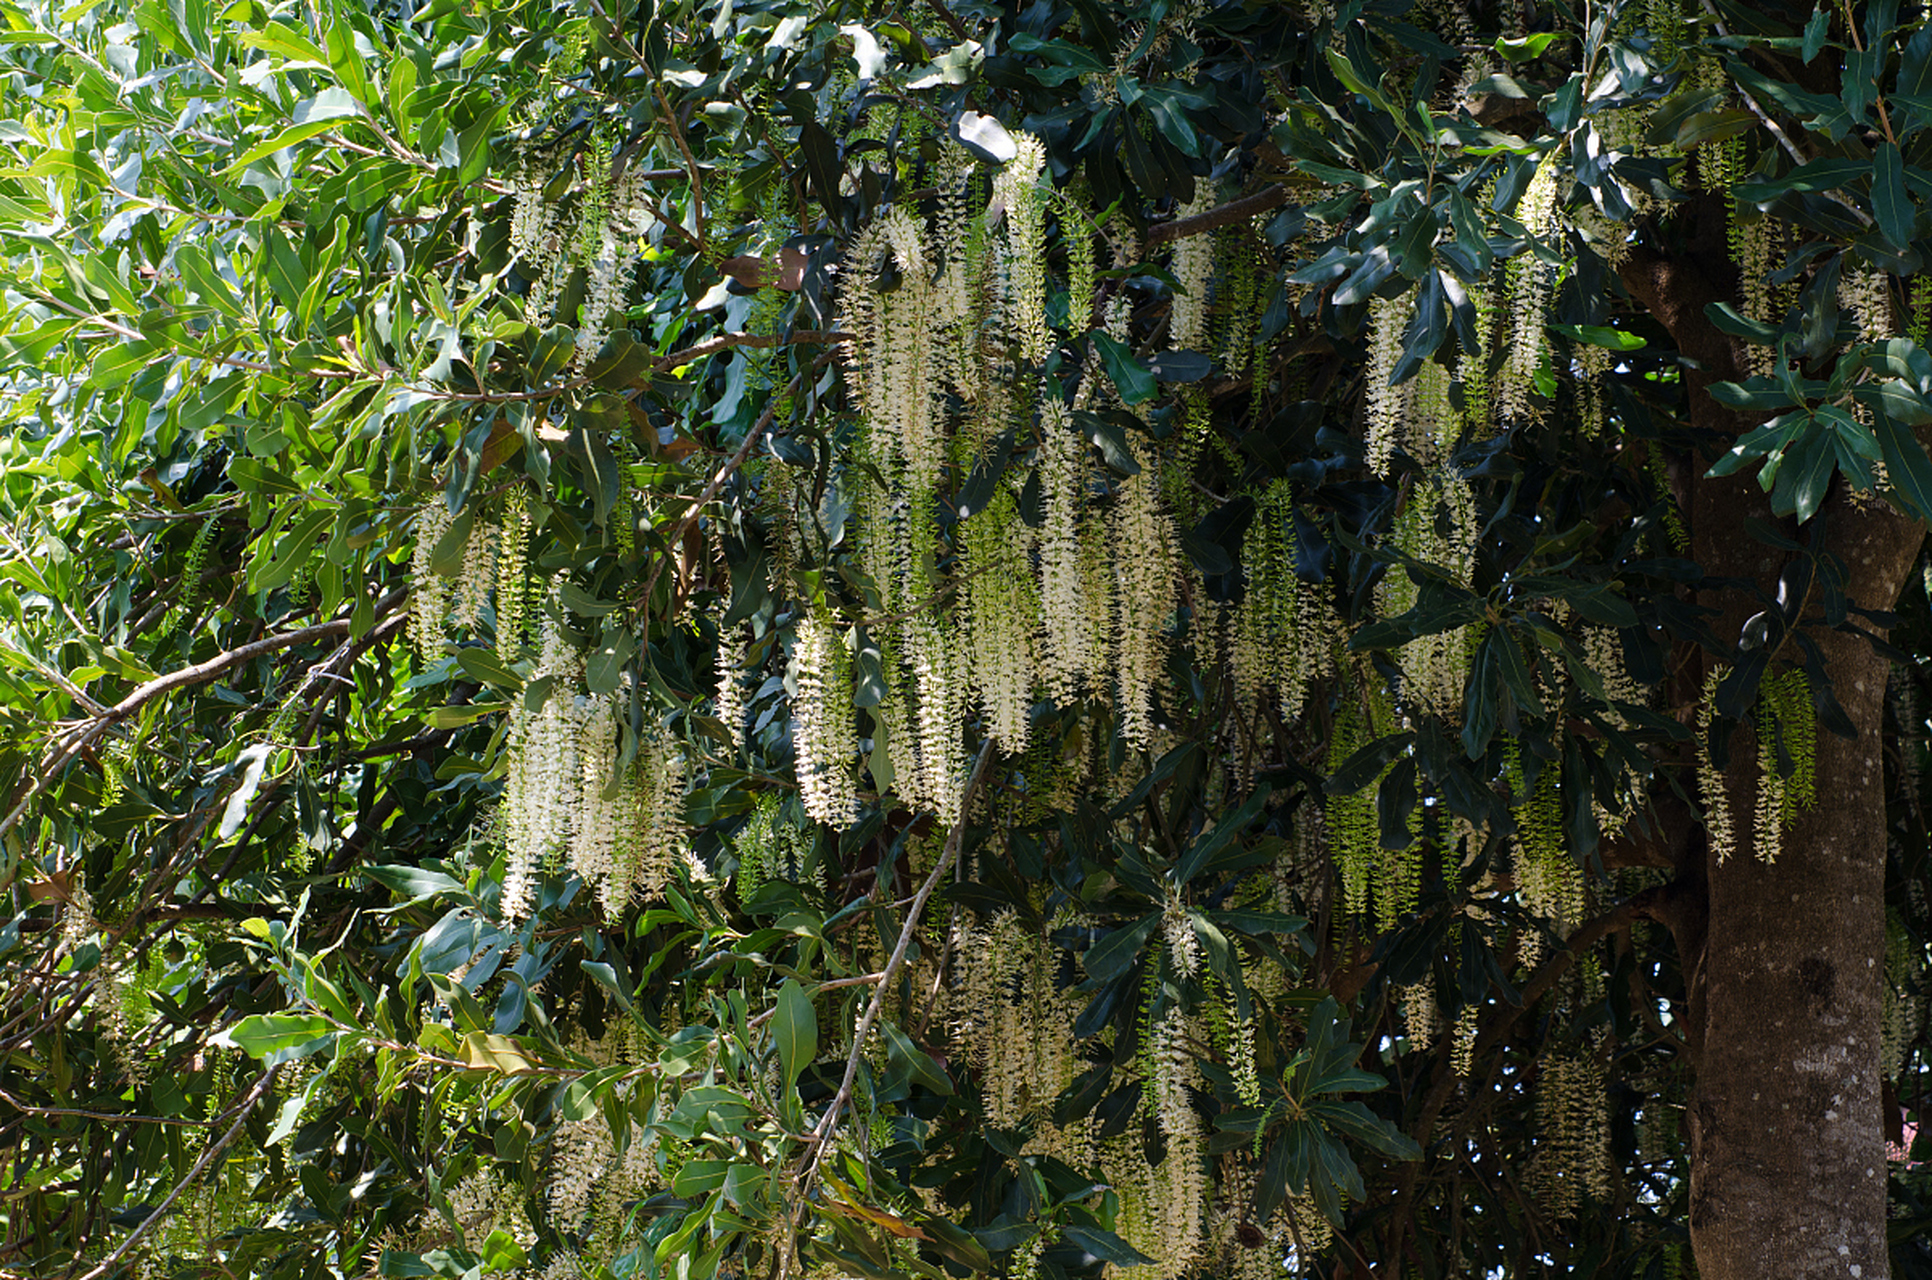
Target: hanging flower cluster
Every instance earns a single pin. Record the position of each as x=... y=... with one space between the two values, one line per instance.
x=566 y=803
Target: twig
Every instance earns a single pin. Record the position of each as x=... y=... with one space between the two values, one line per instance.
x=828 y=1126
x=255 y=1094
x=830 y=984
x=690 y=161
x=724 y=473
x=29 y=1108
x=951 y=20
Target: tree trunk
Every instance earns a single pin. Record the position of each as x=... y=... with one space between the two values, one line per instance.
x=1783 y=964
x=1787 y=1144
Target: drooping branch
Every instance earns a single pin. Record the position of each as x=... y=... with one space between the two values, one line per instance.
x=1586 y=935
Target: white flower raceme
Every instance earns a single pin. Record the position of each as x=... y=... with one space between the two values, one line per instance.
x=1003 y=618
x=542 y=782
x=428 y=590
x=1144 y=584
x=512 y=563
x=1076 y=233
x=477 y=578
x=1387 y=403
x=823 y=723
x=1068 y=647
x=654 y=843
x=1528 y=298
x=1436 y=665
x=530 y=215
x=1187 y=327
x=1018 y=189
x=952 y=175
x=1718 y=827
x=1183 y=945
x=1163 y=1208
x=593 y=826
x=941 y=688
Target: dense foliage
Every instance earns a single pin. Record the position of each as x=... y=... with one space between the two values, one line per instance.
x=754 y=638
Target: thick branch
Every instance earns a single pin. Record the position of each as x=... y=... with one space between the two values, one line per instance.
x=1233 y=211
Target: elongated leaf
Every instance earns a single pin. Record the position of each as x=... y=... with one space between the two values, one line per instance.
x=902 y=1052
x=1130 y=375
x=1119 y=949
x=1906 y=463
x=1105 y=1245
x=253 y=759
x=1366 y=765
x=310 y=117
x=262 y=1034
x=1891 y=203
x=794 y=1027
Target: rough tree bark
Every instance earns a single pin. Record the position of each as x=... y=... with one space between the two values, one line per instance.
x=1783 y=962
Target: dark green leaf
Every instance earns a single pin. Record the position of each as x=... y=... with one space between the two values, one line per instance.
x=1891 y=203
x=1112 y=956
x=1131 y=377
x=1105 y=1245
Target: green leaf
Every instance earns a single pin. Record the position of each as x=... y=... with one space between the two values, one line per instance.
x=957 y=1245
x=902 y=1053
x=1814 y=39
x=1906 y=463
x=199 y=273
x=1758 y=393
x=1254 y=923
x=261 y=1035
x=1132 y=378
x=1728 y=319
x=1891 y=203
x=794 y=1027
x=1367 y=764
x=1111 y=439
x=310 y=117
x=1218 y=837
x=700 y=1178
x=1600 y=336
x=484 y=665
x=1524 y=48
x=1513 y=670
x=1116 y=953
x=501 y=1252
x=1105 y=1245
x=622 y=362
x=985 y=137
x=414 y=883
x=235 y=812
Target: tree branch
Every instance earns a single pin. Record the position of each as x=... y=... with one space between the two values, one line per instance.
x=726 y=341
x=255 y=1094
x=201 y=672
x=1239 y=210
x=828 y=1126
